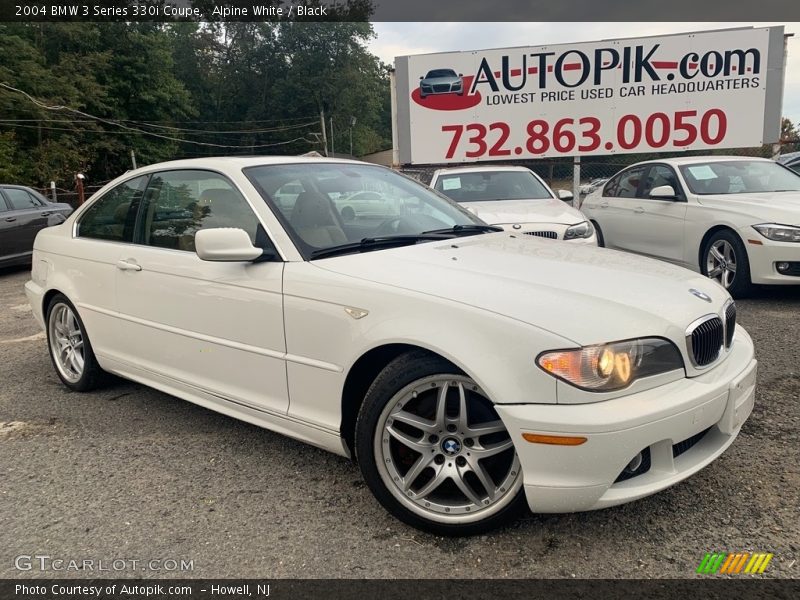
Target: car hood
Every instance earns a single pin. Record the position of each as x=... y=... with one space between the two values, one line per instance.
x=525 y=211
x=585 y=294
x=767 y=207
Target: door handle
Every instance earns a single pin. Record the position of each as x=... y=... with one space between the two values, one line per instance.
x=128 y=265
x=11 y=219
x=603 y=205
x=46 y=214
x=638 y=210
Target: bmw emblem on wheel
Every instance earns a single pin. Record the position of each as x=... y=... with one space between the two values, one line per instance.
x=701 y=295
x=451 y=446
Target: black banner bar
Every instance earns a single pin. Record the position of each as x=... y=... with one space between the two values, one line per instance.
x=733 y=11
x=708 y=588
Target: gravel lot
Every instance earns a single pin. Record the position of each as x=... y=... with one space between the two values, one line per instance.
x=131 y=473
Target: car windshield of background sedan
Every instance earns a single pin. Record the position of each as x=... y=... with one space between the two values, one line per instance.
x=739 y=177
x=492 y=185
x=325 y=206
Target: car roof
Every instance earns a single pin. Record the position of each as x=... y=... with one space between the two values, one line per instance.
x=487 y=169
x=691 y=160
x=243 y=162
x=788 y=157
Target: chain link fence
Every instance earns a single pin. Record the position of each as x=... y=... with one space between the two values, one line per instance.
x=557 y=172
x=595 y=170
x=71 y=197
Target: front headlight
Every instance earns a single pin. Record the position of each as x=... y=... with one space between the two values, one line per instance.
x=614 y=366
x=779 y=233
x=581 y=230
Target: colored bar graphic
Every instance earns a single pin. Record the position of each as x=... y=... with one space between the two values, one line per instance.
x=733 y=563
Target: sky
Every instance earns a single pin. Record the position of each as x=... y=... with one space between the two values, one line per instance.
x=399 y=39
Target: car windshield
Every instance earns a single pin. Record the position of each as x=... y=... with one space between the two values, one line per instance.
x=326 y=205
x=486 y=186
x=440 y=73
x=739 y=177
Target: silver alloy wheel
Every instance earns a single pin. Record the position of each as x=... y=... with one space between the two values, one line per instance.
x=442 y=451
x=66 y=342
x=721 y=262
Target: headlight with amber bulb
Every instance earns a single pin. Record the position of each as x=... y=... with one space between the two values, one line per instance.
x=613 y=366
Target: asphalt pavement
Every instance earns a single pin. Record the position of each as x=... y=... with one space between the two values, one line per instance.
x=131 y=474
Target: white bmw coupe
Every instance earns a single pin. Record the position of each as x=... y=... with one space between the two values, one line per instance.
x=471 y=372
x=736 y=220
x=516 y=199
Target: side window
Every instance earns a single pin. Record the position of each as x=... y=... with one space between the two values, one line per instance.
x=3 y=206
x=178 y=204
x=657 y=176
x=625 y=184
x=610 y=188
x=112 y=217
x=20 y=199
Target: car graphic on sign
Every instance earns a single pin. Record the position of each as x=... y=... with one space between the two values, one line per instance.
x=441 y=81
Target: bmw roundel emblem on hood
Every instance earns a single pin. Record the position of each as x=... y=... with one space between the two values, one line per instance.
x=701 y=295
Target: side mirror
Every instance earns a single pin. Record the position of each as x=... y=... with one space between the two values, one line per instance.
x=663 y=192
x=422 y=77
x=565 y=195
x=460 y=74
x=225 y=244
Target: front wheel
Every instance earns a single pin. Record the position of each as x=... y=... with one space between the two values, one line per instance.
x=433 y=450
x=70 y=348
x=725 y=260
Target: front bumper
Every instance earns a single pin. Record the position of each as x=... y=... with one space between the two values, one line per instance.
x=578 y=478
x=763 y=258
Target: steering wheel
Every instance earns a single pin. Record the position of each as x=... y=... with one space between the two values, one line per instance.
x=389 y=226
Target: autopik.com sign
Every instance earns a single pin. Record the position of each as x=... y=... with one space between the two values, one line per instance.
x=705 y=90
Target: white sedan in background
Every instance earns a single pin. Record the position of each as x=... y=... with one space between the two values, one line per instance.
x=736 y=220
x=470 y=371
x=516 y=199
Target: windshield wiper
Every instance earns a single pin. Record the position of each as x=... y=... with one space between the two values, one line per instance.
x=376 y=243
x=465 y=229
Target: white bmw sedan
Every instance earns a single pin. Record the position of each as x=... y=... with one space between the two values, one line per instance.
x=736 y=220
x=471 y=372
x=516 y=199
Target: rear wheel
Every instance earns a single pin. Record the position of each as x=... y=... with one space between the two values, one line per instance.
x=725 y=260
x=433 y=450
x=70 y=348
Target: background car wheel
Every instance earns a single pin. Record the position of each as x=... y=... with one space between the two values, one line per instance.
x=725 y=260
x=600 y=241
x=433 y=450
x=70 y=348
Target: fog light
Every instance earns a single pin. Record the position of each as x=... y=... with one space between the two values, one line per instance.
x=782 y=267
x=634 y=464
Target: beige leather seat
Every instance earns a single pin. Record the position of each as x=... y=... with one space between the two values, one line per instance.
x=314 y=221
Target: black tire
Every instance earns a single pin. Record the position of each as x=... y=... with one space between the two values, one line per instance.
x=741 y=285
x=398 y=374
x=92 y=376
x=601 y=242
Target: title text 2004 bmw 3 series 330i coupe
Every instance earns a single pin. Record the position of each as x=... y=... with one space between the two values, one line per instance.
x=469 y=371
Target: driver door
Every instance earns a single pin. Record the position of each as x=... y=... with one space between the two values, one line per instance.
x=213 y=326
